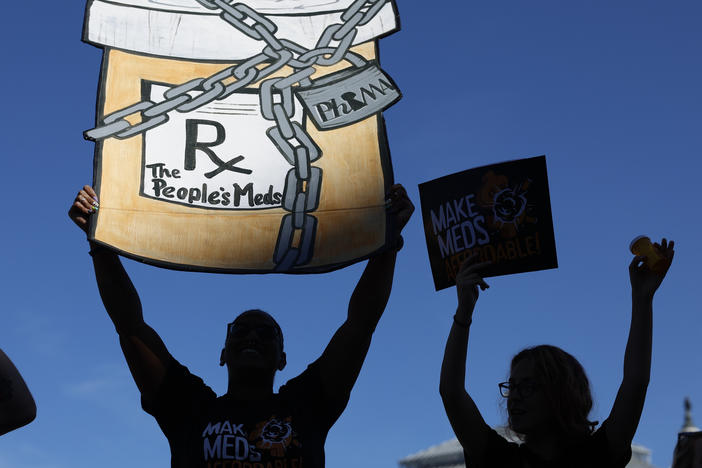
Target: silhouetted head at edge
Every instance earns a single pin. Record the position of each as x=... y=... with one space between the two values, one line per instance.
x=556 y=398
x=253 y=345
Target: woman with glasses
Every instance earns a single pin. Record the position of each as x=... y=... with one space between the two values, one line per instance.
x=548 y=394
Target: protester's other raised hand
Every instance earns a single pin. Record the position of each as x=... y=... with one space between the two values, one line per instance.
x=645 y=281
x=399 y=206
x=468 y=280
x=85 y=204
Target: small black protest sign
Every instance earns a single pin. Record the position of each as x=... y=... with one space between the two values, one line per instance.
x=501 y=212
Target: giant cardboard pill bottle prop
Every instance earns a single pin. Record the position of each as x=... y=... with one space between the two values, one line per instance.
x=242 y=137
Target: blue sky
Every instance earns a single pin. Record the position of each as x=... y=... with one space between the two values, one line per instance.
x=609 y=91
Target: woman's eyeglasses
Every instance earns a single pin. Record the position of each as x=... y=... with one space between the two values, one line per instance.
x=523 y=389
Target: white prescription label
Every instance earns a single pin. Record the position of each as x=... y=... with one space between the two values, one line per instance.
x=218 y=156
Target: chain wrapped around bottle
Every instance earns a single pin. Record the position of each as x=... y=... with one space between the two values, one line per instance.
x=298 y=228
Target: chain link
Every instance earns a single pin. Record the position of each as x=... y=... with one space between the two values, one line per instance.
x=369 y=8
x=207 y=4
x=287 y=257
x=288 y=146
x=237 y=14
x=295 y=244
x=340 y=50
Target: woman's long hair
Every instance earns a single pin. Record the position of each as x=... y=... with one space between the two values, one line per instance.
x=566 y=386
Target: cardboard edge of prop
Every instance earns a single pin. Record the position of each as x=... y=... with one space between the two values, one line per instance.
x=162 y=42
x=552 y=263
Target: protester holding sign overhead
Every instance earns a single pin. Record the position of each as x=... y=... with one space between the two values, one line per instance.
x=250 y=425
x=548 y=393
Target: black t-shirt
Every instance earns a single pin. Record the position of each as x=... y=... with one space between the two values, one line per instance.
x=287 y=430
x=593 y=452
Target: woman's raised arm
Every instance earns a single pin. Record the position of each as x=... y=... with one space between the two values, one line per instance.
x=464 y=416
x=628 y=405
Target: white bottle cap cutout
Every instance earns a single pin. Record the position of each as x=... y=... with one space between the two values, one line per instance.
x=188 y=30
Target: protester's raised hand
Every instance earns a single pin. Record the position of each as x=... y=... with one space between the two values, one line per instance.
x=644 y=280
x=85 y=204
x=468 y=280
x=399 y=206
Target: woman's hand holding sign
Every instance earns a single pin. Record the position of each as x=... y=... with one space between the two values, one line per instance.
x=464 y=416
x=468 y=280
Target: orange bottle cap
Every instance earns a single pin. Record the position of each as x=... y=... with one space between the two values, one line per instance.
x=632 y=244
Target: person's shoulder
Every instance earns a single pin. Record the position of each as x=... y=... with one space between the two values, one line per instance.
x=599 y=446
x=179 y=384
x=503 y=435
x=501 y=440
x=310 y=377
x=500 y=450
x=308 y=390
x=177 y=371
